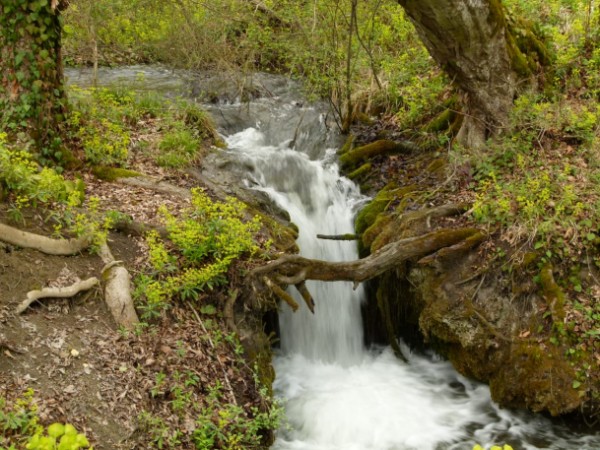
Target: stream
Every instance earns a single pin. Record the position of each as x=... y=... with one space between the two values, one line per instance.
x=337 y=393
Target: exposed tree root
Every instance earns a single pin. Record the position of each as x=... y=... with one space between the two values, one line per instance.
x=57 y=247
x=117 y=291
x=156 y=185
x=295 y=269
x=56 y=292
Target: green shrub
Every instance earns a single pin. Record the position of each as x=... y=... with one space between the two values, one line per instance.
x=201 y=246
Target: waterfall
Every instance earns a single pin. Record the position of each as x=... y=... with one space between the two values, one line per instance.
x=338 y=394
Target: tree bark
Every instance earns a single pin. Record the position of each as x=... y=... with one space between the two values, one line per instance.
x=32 y=96
x=471 y=41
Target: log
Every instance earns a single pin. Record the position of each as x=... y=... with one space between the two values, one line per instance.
x=56 y=292
x=57 y=247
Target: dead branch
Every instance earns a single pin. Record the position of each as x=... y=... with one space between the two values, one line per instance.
x=117 y=291
x=339 y=237
x=295 y=269
x=56 y=292
x=57 y=247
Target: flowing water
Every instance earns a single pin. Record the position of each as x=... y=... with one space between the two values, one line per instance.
x=337 y=393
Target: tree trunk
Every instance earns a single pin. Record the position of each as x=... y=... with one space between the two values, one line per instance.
x=471 y=41
x=32 y=97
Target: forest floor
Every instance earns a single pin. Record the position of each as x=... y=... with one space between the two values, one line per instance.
x=120 y=388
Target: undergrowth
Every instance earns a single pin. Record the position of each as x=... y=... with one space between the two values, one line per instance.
x=21 y=428
x=194 y=258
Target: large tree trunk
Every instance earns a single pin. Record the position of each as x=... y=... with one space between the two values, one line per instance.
x=32 y=97
x=472 y=43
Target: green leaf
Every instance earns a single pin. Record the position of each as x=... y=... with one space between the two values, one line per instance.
x=576 y=384
x=591 y=237
x=56 y=430
x=209 y=310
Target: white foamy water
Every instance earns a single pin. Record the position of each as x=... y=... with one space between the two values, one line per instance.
x=339 y=395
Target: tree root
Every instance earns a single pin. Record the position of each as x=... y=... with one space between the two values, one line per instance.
x=295 y=269
x=156 y=185
x=57 y=247
x=56 y=292
x=117 y=291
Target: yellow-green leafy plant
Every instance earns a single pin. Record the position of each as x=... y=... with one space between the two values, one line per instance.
x=32 y=185
x=201 y=245
x=58 y=437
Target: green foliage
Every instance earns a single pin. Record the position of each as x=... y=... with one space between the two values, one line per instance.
x=58 y=437
x=201 y=246
x=18 y=421
x=104 y=119
x=177 y=148
x=31 y=94
x=218 y=421
x=20 y=428
x=96 y=122
x=30 y=185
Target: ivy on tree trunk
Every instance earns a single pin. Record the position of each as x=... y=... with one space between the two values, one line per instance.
x=32 y=96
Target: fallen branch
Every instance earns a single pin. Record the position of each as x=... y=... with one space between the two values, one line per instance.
x=117 y=291
x=339 y=237
x=56 y=292
x=57 y=247
x=295 y=269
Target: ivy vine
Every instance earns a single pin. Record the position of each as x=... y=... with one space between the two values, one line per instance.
x=32 y=96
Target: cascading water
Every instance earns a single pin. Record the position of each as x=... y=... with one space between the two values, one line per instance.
x=338 y=394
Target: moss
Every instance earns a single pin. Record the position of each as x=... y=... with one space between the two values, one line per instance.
x=553 y=294
x=537 y=377
x=438 y=165
x=360 y=154
x=283 y=237
x=375 y=229
x=362 y=170
x=442 y=121
x=348 y=145
x=113 y=173
x=367 y=216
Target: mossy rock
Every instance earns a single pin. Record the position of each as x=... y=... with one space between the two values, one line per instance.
x=361 y=154
x=113 y=173
x=536 y=376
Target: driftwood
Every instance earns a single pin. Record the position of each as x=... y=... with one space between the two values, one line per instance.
x=117 y=291
x=57 y=247
x=56 y=292
x=295 y=269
